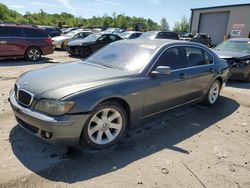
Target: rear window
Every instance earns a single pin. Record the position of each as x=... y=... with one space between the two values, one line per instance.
x=35 y=33
x=10 y=32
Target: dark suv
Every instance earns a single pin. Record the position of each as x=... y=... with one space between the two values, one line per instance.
x=24 y=41
x=160 y=35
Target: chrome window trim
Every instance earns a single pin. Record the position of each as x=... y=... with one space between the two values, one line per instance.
x=182 y=45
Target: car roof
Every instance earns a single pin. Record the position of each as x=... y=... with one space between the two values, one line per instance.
x=240 y=39
x=158 y=43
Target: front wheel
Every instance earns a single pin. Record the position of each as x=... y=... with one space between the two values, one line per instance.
x=213 y=93
x=106 y=126
x=85 y=52
x=33 y=54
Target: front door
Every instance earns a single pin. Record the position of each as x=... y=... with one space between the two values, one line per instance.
x=167 y=91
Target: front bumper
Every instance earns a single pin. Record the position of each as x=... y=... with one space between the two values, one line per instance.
x=63 y=130
x=73 y=50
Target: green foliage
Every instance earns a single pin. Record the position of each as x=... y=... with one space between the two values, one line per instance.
x=182 y=26
x=43 y=18
x=164 y=24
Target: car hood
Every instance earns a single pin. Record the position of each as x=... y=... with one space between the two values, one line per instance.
x=59 y=81
x=231 y=55
x=59 y=38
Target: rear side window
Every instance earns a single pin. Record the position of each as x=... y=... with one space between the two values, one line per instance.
x=197 y=57
x=33 y=33
x=10 y=32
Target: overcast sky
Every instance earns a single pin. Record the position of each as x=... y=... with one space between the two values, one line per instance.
x=154 y=9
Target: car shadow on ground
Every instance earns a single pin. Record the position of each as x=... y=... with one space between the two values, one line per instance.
x=162 y=132
x=22 y=62
x=239 y=84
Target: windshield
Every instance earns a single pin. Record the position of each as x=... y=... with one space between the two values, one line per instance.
x=71 y=34
x=234 y=46
x=124 y=56
x=92 y=37
x=125 y=35
x=149 y=35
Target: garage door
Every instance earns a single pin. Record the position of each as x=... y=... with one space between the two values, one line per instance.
x=214 y=24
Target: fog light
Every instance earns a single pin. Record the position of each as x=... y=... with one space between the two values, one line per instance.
x=46 y=134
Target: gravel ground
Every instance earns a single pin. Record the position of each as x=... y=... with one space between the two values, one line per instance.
x=191 y=146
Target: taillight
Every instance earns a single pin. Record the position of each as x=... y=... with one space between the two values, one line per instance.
x=49 y=40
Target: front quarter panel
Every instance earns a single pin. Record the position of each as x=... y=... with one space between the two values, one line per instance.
x=131 y=91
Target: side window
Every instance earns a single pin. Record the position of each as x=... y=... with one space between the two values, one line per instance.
x=208 y=58
x=160 y=35
x=197 y=57
x=172 y=58
x=34 y=33
x=87 y=34
x=113 y=38
x=10 y=32
x=103 y=38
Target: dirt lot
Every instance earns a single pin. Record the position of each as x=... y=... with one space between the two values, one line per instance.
x=192 y=146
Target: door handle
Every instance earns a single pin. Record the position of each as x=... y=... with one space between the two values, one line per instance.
x=183 y=75
x=3 y=42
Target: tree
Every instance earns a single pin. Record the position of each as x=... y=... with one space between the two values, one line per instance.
x=182 y=26
x=164 y=24
x=64 y=18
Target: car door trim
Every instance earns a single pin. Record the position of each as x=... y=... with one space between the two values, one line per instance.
x=167 y=109
x=182 y=45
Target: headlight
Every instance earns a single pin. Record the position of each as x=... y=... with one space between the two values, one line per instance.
x=54 y=107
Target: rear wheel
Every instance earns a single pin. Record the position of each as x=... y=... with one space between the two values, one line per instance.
x=33 y=54
x=106 y=126
x=85 y=52
x=213 y=93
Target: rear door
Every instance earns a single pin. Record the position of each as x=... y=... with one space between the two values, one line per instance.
x=200 y=71
x=11 y=41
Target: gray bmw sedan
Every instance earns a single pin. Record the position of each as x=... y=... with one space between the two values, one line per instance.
x=95 y=101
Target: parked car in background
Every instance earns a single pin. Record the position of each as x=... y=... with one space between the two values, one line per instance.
x=112 y=31
x=186 y=37
x=60 y=42
x=52 y=31
x=67 y=30
x=202 y=38
x=127 y=81
x=92 y=43
x=96 y=30
x=160 y=35
x=237 y=54
x=24 y=41
x=130 y=34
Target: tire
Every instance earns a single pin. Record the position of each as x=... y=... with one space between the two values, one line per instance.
x=248 y=78
x=33 y=54
x=106 y=126
x=85 y=52
x=213 y=93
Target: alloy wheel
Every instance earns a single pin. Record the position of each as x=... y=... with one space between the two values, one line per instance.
x=34 y=54
x=105 y=126
x=214 y=92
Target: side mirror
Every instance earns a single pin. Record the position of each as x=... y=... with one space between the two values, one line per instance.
x=162 y=70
